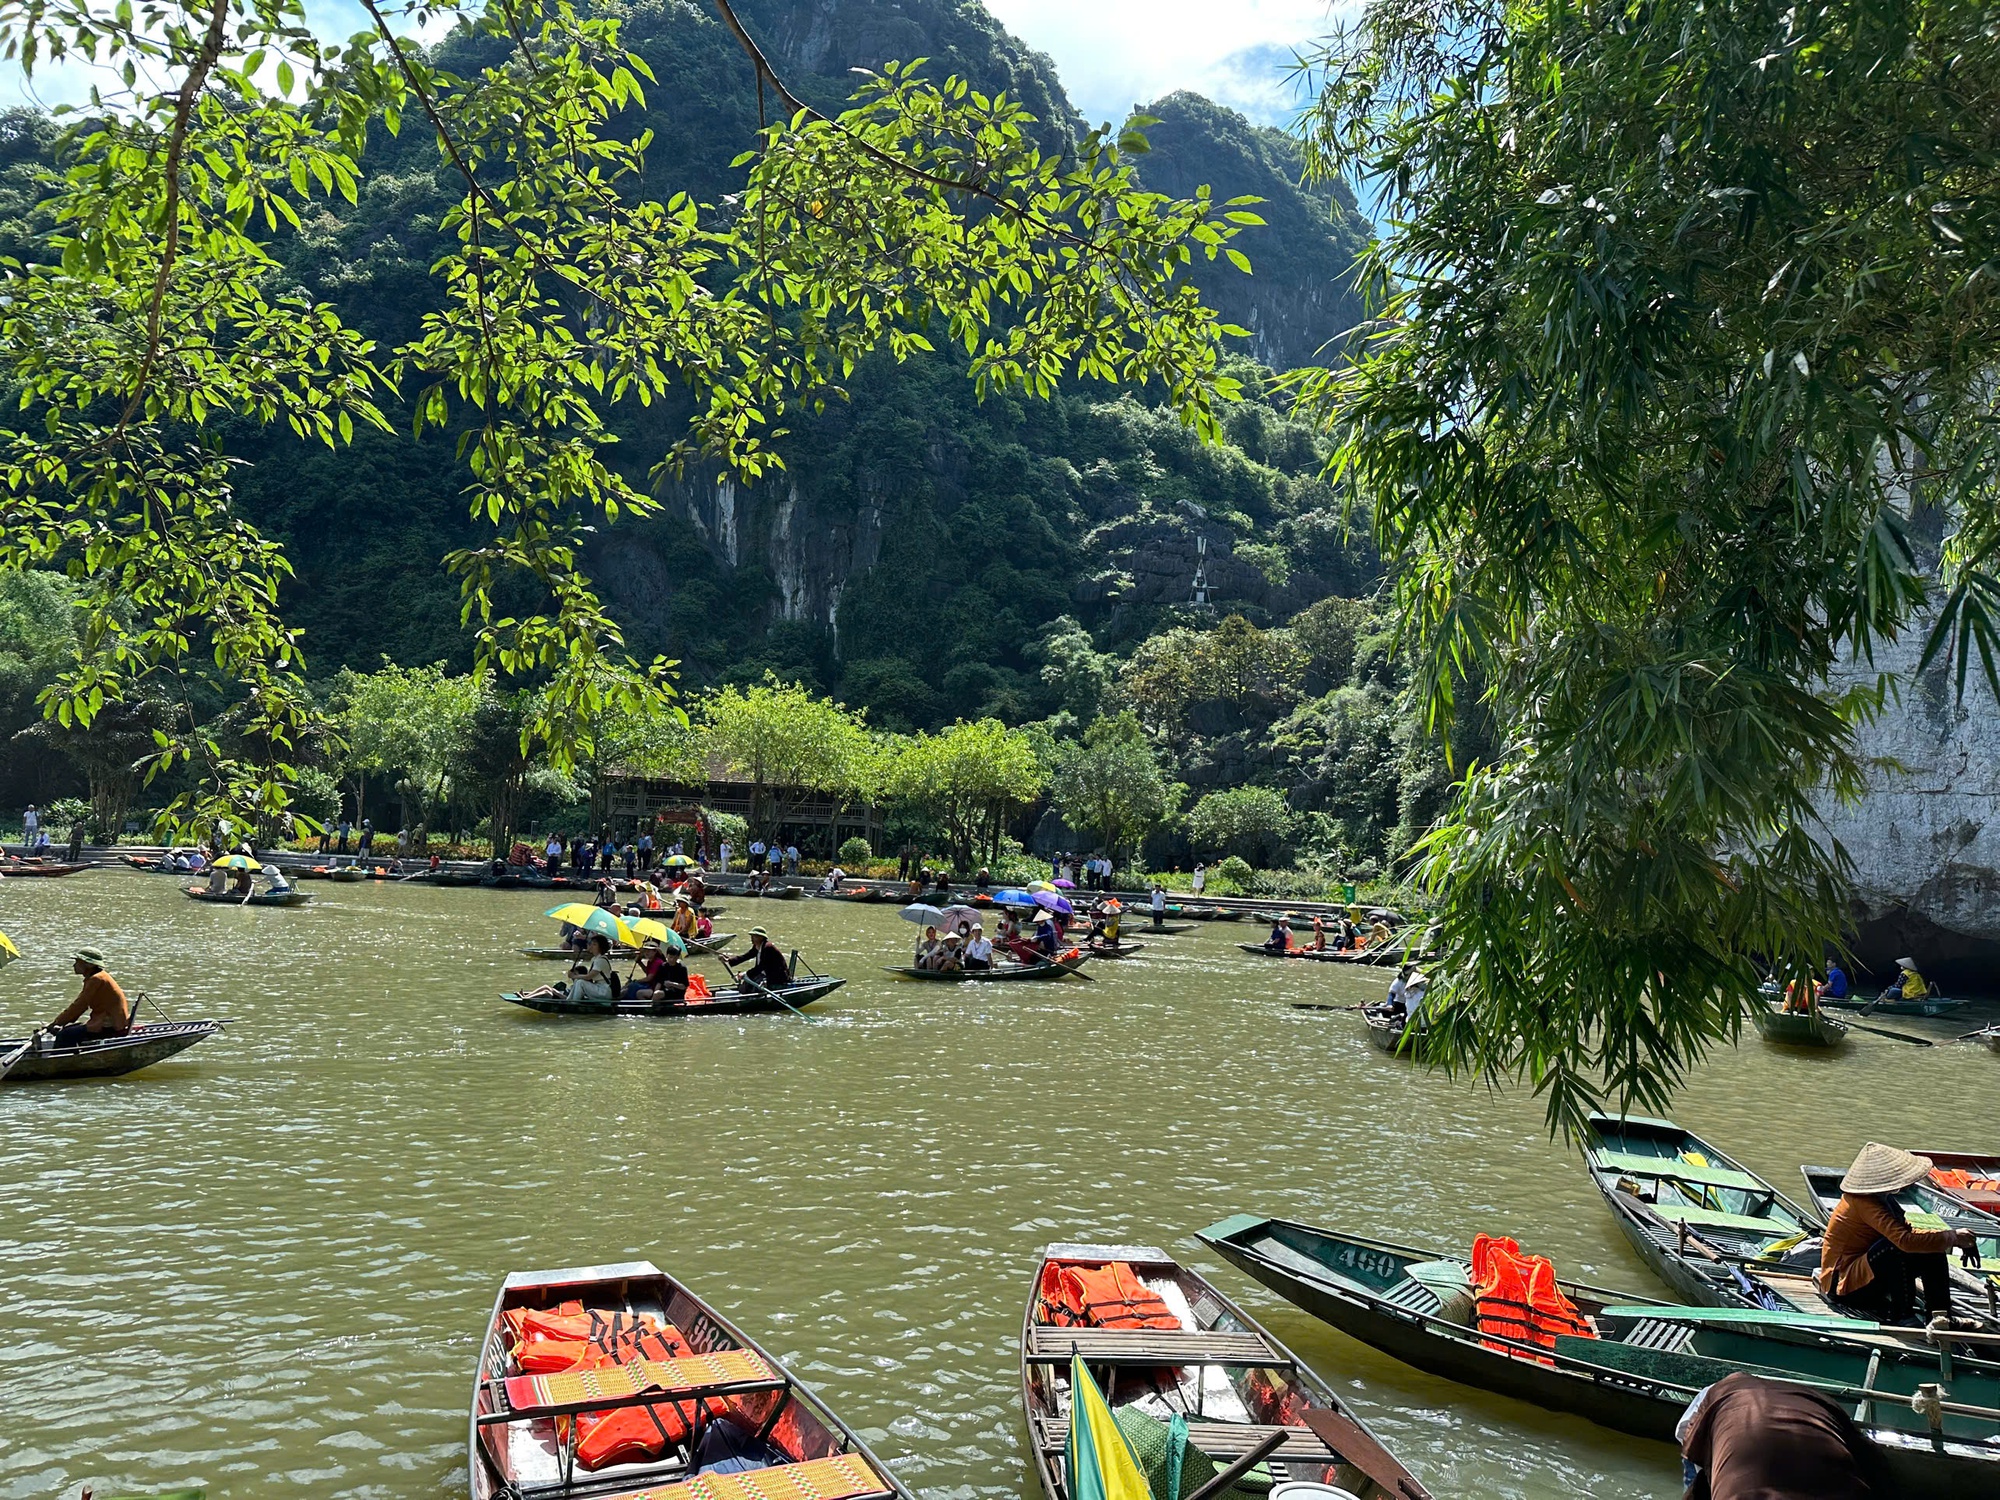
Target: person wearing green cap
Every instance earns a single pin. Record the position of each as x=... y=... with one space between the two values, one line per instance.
x=101 y=1000
x=768 y=968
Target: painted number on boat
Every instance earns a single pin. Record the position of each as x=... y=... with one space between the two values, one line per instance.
x=1375 y=1263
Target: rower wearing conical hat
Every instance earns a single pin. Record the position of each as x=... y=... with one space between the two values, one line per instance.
x=1871 y=1260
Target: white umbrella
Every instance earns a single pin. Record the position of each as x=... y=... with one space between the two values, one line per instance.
x=922 y=915
x=951 y=916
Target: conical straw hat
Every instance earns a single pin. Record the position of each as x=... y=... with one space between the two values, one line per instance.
x=1884 y=1169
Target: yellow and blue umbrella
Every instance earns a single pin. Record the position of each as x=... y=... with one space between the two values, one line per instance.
x=652 y=927
x=236 y=862
x=1100 y=1461
x=598 y=919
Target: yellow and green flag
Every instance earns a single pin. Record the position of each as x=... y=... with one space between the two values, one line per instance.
x=1101 y=1465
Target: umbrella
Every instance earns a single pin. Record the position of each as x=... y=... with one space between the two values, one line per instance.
x=1063 y=885
x=8 y=952
x=1098 y=1459
x=1051 y=901
x=235 y=862
x=951 y=916
x=678 y=862
x=1037 y=887
x=652 y=927
x=1013 y=898
x=922 y=915
x=594 y=919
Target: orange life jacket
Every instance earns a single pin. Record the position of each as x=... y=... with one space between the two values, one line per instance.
x=1109 y=1296
x=1958 y=1180
x=1516 y=1297
x=698 y=988
x=632 y=1434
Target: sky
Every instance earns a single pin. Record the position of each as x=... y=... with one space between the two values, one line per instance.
x=1111 y=54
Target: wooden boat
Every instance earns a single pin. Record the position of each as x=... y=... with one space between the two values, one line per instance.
x=1988 y=1038
x=999 y=973
x=106 y=1057
x=1263 y=950
x=347 y=874
x=724 y=1002
x=1981 y=1166
x=1122 y=949
x=1928 y=1206
x=1813 y=1028
x=729 y=1398
x=256 y=898
x=1144 y=923
x=1236 y=1384
x=1390 y=1035
x=17 y=869
x=1696 y=1216
x=1649 y=1358
x=1932 y=1004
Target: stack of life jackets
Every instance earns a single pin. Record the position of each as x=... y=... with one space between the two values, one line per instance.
x=1515 y=1297
x=572 y=1337
x=1957 y=1180
x=1107 y=1296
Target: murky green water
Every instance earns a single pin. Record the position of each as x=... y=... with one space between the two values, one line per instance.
x=266 y=1265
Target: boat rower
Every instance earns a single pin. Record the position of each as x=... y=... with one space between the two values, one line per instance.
x=100 y=1008
x=1871 y=1259
x=768 y=968
x=1909 y=984
x=279 y=885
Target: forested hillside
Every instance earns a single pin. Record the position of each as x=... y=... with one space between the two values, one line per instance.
x=924 y=556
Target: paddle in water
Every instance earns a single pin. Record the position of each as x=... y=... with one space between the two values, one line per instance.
x=758 y=989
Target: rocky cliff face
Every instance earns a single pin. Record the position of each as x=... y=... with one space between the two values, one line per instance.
x=1926 y=839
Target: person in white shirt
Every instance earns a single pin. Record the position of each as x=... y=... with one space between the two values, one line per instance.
x=791 y=859
x=31 y=824
x=1200 y=877
x=979 y=951
x=722 y=857
x=756 y=855
x=832 y=881
x=1159 y=905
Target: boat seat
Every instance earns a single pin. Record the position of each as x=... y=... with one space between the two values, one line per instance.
x=1223 y=1440
x=1682 y=1171
x=1655 y=1333
x=1716 y=1218
x=841 y=1476
x=1412 y=1295
x=1049 y=1345
x=692 y=1377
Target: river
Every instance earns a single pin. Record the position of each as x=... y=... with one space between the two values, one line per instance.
x=265 y=1266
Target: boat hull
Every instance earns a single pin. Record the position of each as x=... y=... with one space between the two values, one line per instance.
x=1812 y=1029
x=260 y=898
x=110 y=1057
x=995 y=975
x=1929 y=1005
x=729 y=1002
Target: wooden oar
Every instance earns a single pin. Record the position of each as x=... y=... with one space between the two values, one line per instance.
x=1901 y=1036
x=1242 y=1466
x=7 y=1062
x=1355 y=1444
x=1311 y=1005
x=759 y=989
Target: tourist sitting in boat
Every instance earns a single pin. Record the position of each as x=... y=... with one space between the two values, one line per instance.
x=768 y=969
x=664 y=976
x=1319 y=934
x=218 y=880
x=1048 y=937
x=832 y=882
x=1801 y=999
x=100 y=1008
x=1397 y=1005
x=1280 y=940
x=951 y=954
x=242 y=886
x=684 y=921
x=1836 y=986
x=1909 y=985
x=928 y=945
x=1348 y=935
x=1871 y=1260
x=978 y=950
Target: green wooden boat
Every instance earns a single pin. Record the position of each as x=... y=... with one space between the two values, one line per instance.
x=1650 y=1358
x=1390 y=1035
x=998 y=974
x=1891 y=1003
x=1813 y=1028
x=1698 y=1217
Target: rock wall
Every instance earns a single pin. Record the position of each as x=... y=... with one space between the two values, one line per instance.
x=1925 y=840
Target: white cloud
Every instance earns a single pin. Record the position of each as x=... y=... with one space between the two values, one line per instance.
x=1113 y=54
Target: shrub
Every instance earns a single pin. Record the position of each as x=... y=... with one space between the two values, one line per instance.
x=1250 y=822
x=1235 y=870
x=855 y=852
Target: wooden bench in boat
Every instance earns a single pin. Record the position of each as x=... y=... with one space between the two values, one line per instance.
x=842 y=1476
x=638 y=1382
x=1049 y=1345
x=1673 y=1168
x=1223 y=1440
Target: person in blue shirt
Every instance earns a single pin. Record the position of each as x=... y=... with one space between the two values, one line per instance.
x=1836 y=986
